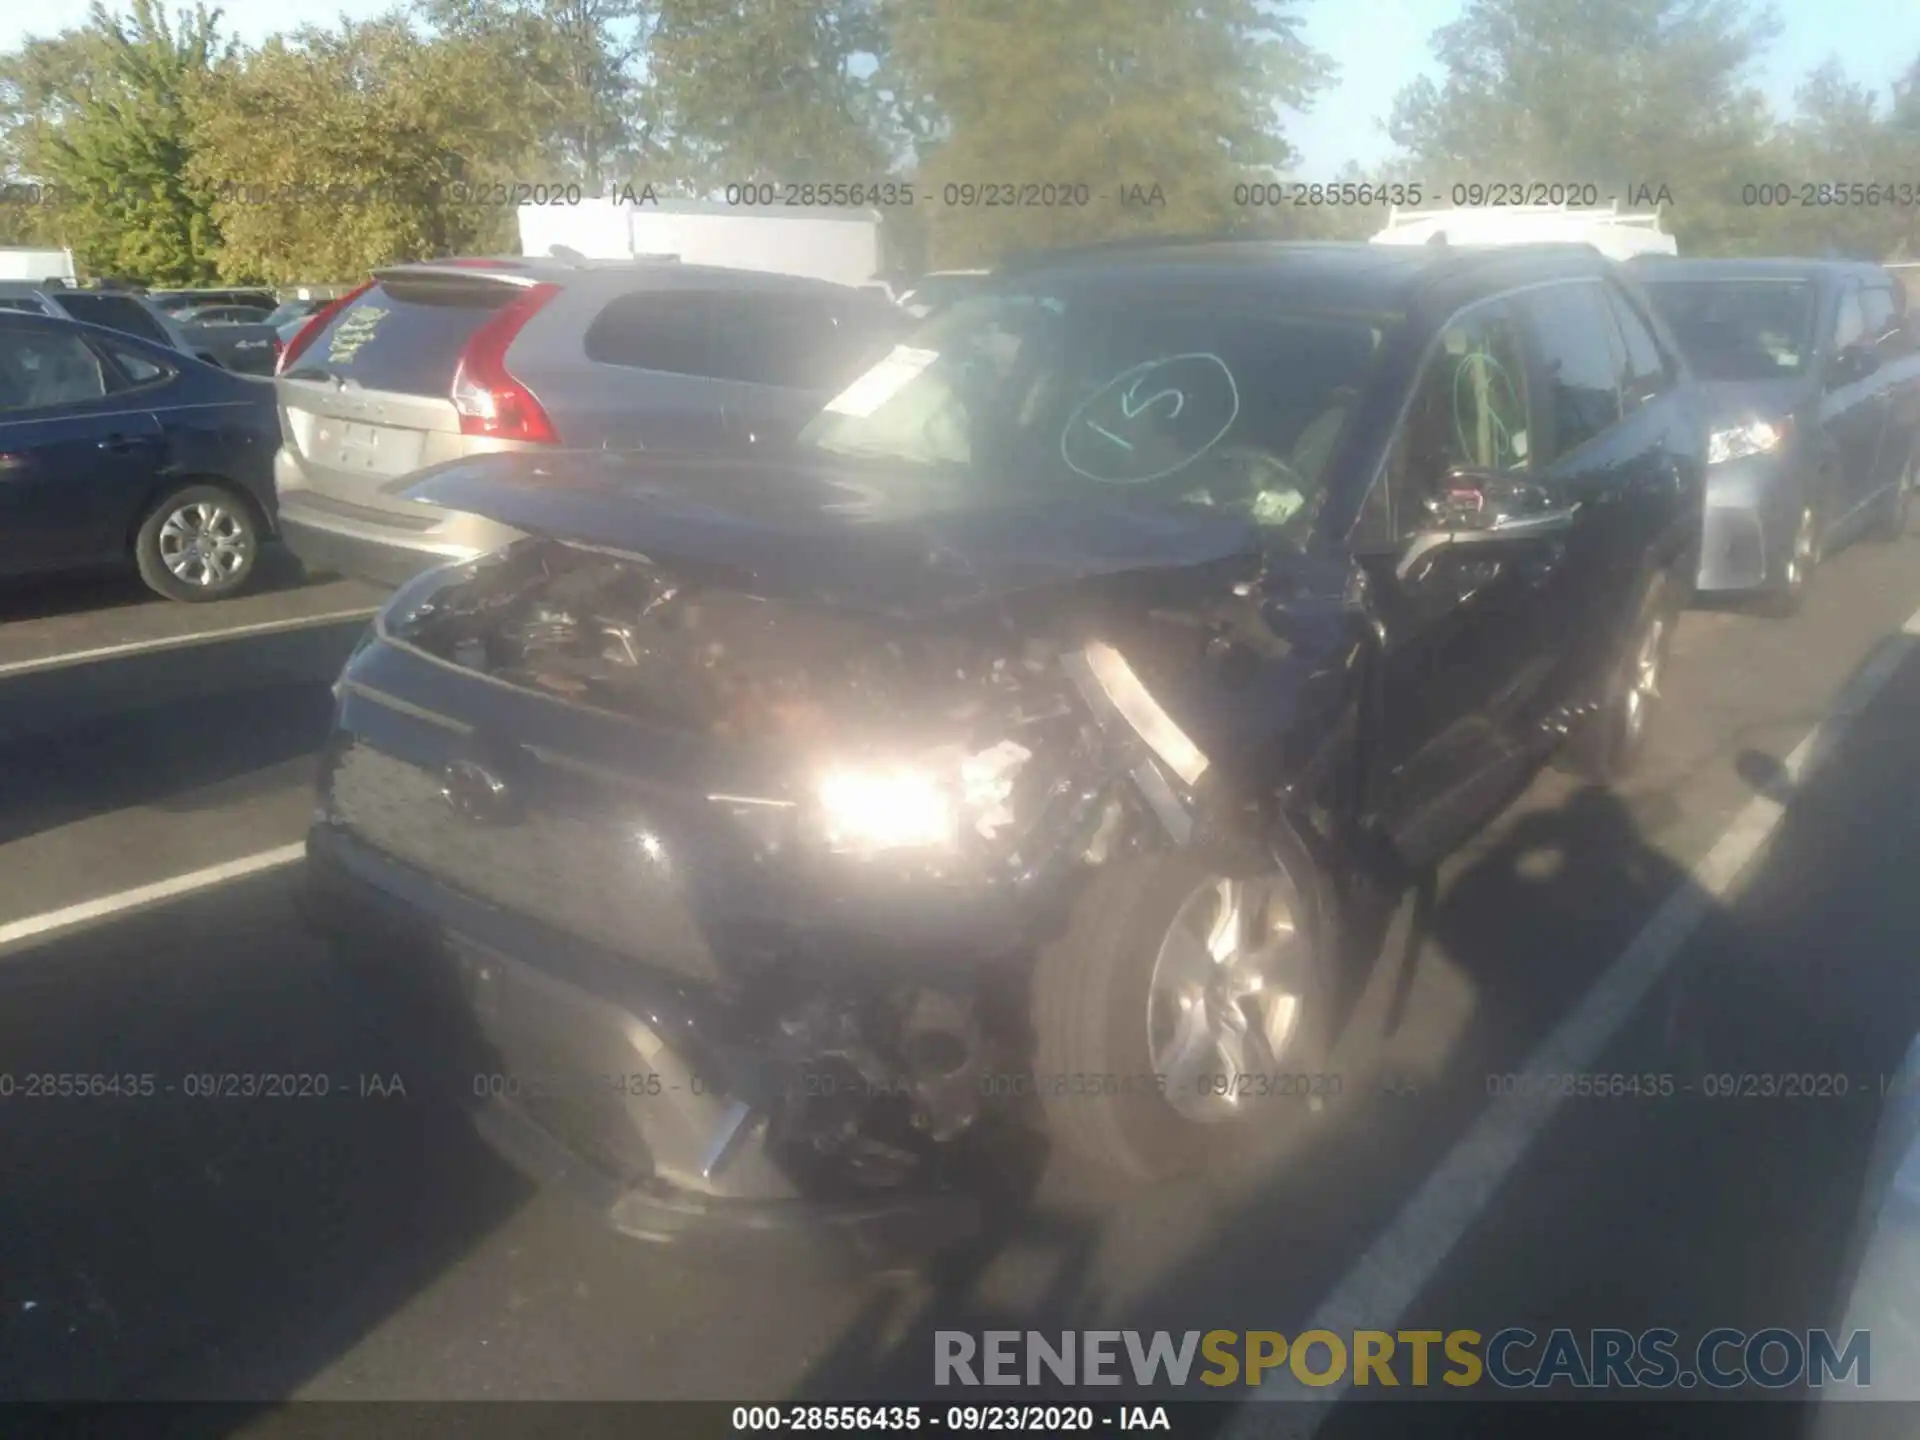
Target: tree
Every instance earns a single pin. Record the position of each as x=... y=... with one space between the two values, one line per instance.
x=779 y=90
x=572 y=67
x=333 y=152
x=1619 y=93
x=105 y=116
x=1838 y=136
x=1903 y=135
x=1149 y=111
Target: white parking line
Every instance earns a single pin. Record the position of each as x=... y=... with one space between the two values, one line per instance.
x=174 y=642
x=54 y=921
x=1403 y=1259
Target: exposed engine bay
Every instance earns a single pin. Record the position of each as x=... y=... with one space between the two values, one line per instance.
x=864 y=1078
x=619 y=634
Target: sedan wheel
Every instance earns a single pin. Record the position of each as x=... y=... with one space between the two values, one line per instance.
x=205 y=544
x=199 y=543
x=1643 y=684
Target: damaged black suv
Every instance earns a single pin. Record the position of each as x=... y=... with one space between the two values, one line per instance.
x=1012 y=753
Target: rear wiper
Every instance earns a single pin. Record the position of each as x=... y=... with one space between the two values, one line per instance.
x=313 y=372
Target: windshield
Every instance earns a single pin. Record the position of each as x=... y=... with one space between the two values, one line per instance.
x=1220 y=400
x=1755 y=329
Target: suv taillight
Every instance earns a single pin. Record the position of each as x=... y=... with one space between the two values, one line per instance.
x=490 y=401
x=310 y=332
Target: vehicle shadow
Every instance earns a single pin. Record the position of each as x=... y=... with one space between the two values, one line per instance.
x=277 y=571
x=169 y=1236
x=1692 y=1192
x=1522 y=928
x=206 y=750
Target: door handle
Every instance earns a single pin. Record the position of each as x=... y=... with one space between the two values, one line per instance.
x=121 y=443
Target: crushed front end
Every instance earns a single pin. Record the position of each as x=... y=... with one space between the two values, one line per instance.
x=721 y=905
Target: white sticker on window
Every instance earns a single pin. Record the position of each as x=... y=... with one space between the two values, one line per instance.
x=882 y=382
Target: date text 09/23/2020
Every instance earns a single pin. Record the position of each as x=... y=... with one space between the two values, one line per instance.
x=960 y=1419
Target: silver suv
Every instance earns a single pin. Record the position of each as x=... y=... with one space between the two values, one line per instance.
x=432 y=362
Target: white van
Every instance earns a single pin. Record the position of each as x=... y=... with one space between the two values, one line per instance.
x=18 y=262
x=1612 y=233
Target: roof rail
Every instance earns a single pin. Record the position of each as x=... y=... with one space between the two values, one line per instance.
x=1023 y=258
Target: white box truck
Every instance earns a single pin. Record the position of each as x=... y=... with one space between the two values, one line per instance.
x=838 y=245
x=1613 y=233
x=18 y=262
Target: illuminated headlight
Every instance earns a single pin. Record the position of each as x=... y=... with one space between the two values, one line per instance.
x=1755 y=437
x=868 y=808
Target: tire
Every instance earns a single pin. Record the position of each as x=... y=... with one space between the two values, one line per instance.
x=226 y=527
x=1891 y=523
x=1609 y=746
x=1091 y=1013
x=1784 y=598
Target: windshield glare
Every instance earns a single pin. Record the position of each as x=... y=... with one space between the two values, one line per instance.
x=1739 y=329
x=1221 y=402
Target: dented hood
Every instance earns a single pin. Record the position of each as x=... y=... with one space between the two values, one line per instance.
x=899 y=539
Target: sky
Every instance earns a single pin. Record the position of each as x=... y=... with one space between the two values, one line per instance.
x=1379 y=46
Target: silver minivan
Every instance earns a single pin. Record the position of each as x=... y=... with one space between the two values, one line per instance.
x=438 y=361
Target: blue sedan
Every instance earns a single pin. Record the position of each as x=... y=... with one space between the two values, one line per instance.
x=115 y=451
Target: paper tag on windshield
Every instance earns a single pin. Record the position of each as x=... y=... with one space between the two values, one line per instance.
x=882 y=382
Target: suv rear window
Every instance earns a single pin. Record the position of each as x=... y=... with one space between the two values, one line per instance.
x=405 y=336
x=798 y=342
x=115 y=312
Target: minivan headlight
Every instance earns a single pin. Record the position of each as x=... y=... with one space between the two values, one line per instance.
x=1754 y=437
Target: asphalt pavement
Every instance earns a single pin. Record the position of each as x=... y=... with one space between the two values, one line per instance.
x=362 y=1244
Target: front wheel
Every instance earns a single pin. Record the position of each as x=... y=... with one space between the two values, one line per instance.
x=1609 y=746
x=1187 y=1000
x=1891 y=523
x=1788 y=592
x=199 y=543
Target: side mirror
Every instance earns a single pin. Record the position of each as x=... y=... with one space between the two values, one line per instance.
x=1475 y=506
x=1467 y=498
x=1856 y=362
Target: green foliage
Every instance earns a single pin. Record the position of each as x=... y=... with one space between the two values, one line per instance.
x=570 y=69
x=106 y=116
x=750 y=90
x=1158 y=109
x=336 y=151
x=1620 y=93
x=177 y=159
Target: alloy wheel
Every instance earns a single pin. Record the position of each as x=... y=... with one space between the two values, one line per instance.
x=205 y=544
x=1643 y=683
x=1225 y=998
x=1801 y=558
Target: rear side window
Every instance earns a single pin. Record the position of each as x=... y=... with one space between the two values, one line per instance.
x=42 y=368
x=1643 y=372
x=1569 y=329
x=115 y=312
x=794 y=342
x=139 y=370
x=404 y=336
